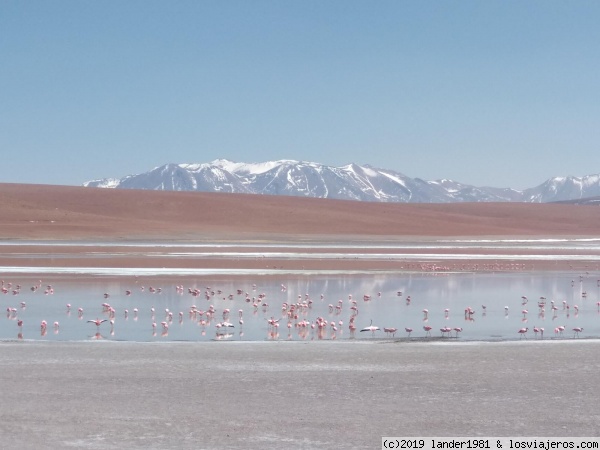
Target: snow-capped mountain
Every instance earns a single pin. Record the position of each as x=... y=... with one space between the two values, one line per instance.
x=350 y=182
x=564 y=188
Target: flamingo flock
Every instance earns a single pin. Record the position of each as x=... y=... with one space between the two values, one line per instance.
x=282 y=315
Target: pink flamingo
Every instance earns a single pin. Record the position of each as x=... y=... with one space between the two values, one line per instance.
x=372 y=328
x=408 y=330
x=427 y=329
x=523 y=332
x=97 y=321
x=391 y=331
x=577 y=330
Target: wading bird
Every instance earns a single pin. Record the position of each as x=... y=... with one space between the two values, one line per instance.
x=372 y=328
x=523 y=332
x=97 y=321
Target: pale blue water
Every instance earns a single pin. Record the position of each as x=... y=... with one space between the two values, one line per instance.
x=434 y=292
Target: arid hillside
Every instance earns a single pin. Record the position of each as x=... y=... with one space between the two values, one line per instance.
x=65 y=212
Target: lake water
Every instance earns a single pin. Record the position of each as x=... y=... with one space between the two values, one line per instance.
x=394 y=300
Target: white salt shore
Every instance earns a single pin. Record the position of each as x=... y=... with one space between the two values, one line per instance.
x=332 y=395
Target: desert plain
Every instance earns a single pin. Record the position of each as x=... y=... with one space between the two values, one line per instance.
x=286 y=394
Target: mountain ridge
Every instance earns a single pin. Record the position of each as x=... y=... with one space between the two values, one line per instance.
x=348 y=182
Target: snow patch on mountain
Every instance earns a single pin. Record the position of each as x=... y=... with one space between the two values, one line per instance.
x=348 y=182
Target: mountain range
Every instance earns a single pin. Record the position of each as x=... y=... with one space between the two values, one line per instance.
x=350 y=182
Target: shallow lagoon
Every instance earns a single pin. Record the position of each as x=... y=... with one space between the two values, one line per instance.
x=387 y=305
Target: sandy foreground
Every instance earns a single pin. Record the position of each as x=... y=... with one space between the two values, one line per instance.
x=281 y=394
x=291 y=395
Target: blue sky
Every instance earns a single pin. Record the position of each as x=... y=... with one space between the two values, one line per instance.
x=497 y=93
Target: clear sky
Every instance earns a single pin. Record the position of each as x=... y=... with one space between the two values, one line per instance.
x=496 y=93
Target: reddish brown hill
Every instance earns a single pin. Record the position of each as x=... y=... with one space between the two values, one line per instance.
x=63 y=212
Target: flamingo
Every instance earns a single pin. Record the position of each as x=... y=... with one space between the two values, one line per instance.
x=372 y=328
x=98 y=322
x=577 y=330
x=427 y=329
x=457 y=330
x=408 y=330
x=523 y=332
x=391 y=331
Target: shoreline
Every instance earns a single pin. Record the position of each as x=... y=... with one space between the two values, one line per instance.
x=284 y=256
x=325 y=396
x=434 y=340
